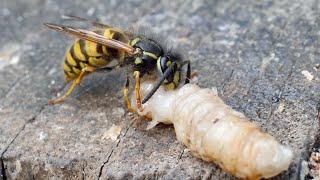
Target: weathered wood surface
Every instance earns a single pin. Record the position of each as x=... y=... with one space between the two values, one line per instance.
x=252 y=52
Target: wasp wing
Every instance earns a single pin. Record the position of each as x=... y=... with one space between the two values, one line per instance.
x=93 y=22
x=92 y=36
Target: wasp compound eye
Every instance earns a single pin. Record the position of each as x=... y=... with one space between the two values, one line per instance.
x=165 y=62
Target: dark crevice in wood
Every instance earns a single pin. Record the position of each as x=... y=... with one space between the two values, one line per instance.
x=181 y=154
x=155 y=5
x=83 y=172
x=112 y=150
x=3 y=174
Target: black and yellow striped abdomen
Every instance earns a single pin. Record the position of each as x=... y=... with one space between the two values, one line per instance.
x=85 y=53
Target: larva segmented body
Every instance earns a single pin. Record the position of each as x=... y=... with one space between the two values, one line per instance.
x=214 y=132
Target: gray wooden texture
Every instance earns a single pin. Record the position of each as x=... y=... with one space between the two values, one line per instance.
x=253 y=52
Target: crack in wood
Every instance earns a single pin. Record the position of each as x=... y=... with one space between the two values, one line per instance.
x=2 y=165
x=155 y=6
x=83 y=172
x=3 y=174
x=112 y=150
x=181 y=154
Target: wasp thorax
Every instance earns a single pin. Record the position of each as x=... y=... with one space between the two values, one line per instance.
x=150 y=52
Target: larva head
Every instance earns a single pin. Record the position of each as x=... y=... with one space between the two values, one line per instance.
x=150 y=51
x=172 y=79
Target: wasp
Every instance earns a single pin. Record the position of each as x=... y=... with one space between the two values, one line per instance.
x=94 y=50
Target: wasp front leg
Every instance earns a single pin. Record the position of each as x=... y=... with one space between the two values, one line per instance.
x=137 y=91
x=125 y=95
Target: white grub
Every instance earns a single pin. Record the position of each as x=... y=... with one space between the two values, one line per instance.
x=214 y=132
x=307 y=74
x=112 y=133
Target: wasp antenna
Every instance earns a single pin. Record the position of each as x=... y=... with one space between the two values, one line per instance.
x=158 y=84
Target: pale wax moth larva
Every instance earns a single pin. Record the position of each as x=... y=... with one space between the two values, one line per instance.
x=214 y=132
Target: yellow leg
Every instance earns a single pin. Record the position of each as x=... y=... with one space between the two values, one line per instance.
x=75 y=83
x=126 y=97
x=137 y=90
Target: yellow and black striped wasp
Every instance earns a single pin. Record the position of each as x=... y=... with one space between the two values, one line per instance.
x=93 y=50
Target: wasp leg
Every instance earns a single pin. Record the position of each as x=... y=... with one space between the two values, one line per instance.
x=125 y=88
x=137 y=90
x=125 y=95
x=75 y=83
